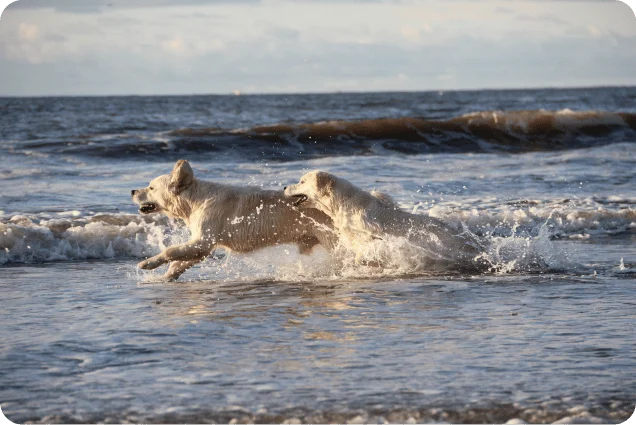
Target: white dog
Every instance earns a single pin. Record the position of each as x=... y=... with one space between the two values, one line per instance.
x=241 y=219
x=361 y=217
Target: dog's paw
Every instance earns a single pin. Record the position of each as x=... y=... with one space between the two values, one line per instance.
x=172 y=274
x=148 y=264
x=142 y=265
x=169 y=277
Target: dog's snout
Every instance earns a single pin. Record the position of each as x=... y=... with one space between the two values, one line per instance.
x=132 y=192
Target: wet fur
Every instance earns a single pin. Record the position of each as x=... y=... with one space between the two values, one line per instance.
x=241 y=219
x=362 y=216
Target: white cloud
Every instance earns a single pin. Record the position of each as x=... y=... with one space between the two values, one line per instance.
x=192 y=48
x=175 y=45
x=415 y=34
x=310 y=46
x=99 y=6
x=28 y=31
x=594 y=31
x=411 y=34
x=26 y=42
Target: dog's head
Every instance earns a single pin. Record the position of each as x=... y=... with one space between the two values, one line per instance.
x=163 y=193
x=315 y=190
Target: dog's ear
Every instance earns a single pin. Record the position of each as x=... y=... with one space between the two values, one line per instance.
x=324 y=181
x=181 y=177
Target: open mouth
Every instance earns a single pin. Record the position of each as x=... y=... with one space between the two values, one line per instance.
x=147 y=208
x=299 y=199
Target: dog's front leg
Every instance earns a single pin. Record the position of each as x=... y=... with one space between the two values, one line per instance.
x=177 y=268
x=196 y=249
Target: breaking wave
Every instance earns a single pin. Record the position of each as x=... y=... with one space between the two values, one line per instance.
x=518 y=239
x=489 y=131
x=107 y=236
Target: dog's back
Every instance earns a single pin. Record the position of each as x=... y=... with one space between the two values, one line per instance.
x=373 y=215
x=244 y=219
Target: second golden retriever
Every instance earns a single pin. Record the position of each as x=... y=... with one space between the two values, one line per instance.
x=360 y=217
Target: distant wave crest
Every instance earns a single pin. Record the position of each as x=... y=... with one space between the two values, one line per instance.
x=490 y=131
x=511 y=131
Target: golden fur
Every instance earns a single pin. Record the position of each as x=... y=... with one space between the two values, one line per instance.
x=361 y=216
x=241 y=219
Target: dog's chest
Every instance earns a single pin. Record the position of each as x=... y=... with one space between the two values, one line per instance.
x=355 y=225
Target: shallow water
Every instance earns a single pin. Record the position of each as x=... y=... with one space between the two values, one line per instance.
x=274 y=335
x=107 y=347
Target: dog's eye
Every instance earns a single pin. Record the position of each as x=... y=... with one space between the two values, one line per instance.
x=302 y=182
x=151 y=188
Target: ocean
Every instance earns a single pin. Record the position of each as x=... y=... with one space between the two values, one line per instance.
x=547 y=177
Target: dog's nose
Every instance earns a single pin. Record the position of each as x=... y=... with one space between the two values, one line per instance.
x=285 y=188
x=132 y=192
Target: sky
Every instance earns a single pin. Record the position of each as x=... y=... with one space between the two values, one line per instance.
x=153 y=47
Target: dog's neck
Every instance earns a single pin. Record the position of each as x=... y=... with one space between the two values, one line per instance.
x=195 y=197
x=346 y=213
x=188 y=201
x=331 y=205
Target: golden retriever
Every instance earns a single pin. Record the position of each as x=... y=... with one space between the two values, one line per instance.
x=241 y=219
x=360 y=217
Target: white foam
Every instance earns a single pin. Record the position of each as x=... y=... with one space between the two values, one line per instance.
x=562 y=221
x=624 y=269
x=517 y=239
x=23 y=240
x=73 y=213
x=583 y=418
x=527 y=253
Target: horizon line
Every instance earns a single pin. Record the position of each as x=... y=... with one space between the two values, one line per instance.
x=238 y=93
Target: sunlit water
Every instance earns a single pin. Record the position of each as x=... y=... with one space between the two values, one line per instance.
x=548 y=333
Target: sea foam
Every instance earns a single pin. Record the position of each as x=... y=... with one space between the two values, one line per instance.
x=29 y=240
x=516 y=239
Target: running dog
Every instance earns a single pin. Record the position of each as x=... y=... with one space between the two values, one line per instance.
x=241 y=219
x=361 y=217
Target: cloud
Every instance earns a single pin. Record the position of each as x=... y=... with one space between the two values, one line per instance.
x=191 y=48
x=463 y=62
x=28 y=42
x=594 y=31
x=542 y=18
x=97 y=6
x=28 y=31
x=175 y=45
x=306 y=46
x=589 y=31
x=413 y=34
x=504 y=10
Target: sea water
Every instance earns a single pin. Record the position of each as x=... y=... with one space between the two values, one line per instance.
x=547 y=177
